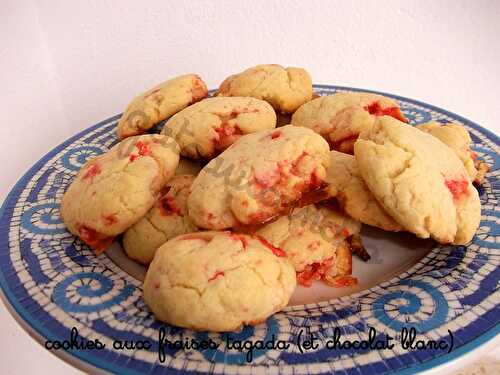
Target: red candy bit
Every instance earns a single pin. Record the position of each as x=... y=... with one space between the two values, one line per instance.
x=92 y=171
x=276 y=251
x=143 y=150
x=458 y=188
x=473 y=155
x=376 y=109
x=97 y=241
x=216 y=275
x=314 y=272
x=276 y=134
x=167 y=206
x=345 y=232
x=110 y=219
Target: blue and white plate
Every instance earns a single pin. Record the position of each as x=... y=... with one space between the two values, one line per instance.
x=52 y=282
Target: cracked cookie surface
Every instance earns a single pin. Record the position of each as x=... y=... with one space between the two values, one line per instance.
x=208 y=127
x=286 y=89
x=159 y=103
x=347 y=186
x=419 y=181
x=258 y=178
x=165 y=220
x=314 y=238
x=114 y=190
x=339 y=118
x=218 y=281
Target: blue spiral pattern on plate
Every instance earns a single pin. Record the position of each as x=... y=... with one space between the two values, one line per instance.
x=54 y=282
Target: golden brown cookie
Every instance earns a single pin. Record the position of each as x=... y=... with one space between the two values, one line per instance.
x=286 y=89
x=218 y=281
x=114 y=190
x=205 y=129
x=258 y=177
x=419 y=181
x=159 y=103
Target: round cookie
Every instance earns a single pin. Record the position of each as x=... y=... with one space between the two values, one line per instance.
x=457 y=137
x=159 y=103
x=315 y=239
x=114 y=190
x=286 y=89
x=339 y=118
x=208 y=127
x=165 y=220
x=218 y=281
x=419 y=181
x=258 y=177
x=347 y=186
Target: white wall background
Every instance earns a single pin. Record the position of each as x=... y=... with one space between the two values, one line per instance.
x=65 y=65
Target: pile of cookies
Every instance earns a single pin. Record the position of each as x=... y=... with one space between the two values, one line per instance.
x=263 y=186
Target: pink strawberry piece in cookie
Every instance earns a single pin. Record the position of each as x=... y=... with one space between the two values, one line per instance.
x=92 y=171
x=97 y=241
x=314 y=272
x=276 y=134
x=167 y=206
x=276 y=251
x=216 y=275
x=143 y=150
x=376 y=109
x=458 y=188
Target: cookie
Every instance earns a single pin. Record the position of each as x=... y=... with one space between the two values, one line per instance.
x=347 y=186
x=165 y=220
x=207 y=128
x=159 y=103
x=258 y=177
x=286 y=89
x=339 y=118
x=315 y=239
x=114 y=190
x=419 y=181
x=218 y=281
x=457 y=137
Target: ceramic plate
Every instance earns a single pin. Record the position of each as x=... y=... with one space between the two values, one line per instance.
x=52 y=282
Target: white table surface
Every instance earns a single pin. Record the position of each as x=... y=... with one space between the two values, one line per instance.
x=67 y=65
